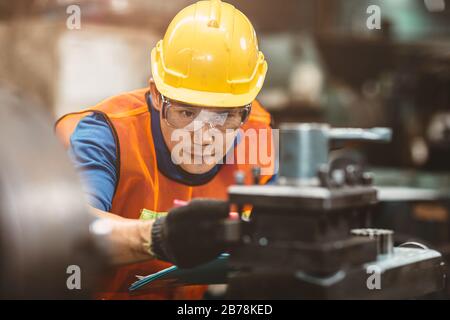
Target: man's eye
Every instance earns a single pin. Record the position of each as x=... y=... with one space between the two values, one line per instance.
x=235 y=115
x=187 y=114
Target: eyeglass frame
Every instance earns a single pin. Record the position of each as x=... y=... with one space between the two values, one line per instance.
x=166 y=103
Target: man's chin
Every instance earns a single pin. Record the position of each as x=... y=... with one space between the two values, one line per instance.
x=197 y=168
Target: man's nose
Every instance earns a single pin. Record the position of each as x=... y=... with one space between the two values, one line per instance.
x=203 y=135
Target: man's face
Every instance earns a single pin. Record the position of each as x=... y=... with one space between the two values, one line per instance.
x=197 y=138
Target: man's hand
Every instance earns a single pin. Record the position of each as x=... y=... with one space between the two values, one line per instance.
x=188 y=236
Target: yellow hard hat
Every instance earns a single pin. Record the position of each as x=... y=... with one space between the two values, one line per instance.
x=209 y=57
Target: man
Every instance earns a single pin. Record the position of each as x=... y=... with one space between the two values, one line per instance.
x=150 y=148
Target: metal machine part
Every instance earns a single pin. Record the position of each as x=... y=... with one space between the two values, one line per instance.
x=299 y=241
x=44 y=224
x=385 y=239
x=317 y=198
x=416 y=204
x=409 y=273
x=303 y=228
x=304 y=148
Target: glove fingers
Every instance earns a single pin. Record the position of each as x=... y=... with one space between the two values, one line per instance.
x=200 y=209
x=193 y=230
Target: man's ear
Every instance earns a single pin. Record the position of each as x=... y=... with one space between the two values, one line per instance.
x=156 y=97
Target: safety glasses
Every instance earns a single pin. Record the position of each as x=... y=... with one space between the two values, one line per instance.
x=192 y=118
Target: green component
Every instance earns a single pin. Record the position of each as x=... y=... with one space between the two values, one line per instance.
x=151 y=215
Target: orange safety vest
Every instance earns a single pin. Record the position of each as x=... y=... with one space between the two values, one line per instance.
x=140 y=184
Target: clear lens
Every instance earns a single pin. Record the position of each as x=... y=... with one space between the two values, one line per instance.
x=193 y=118
x=181 y=117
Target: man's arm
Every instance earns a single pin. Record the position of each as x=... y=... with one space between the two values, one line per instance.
x=187 y=237
x=129 y=239
x=93 y=152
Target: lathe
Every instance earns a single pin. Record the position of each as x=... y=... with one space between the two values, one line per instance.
x=309 y=235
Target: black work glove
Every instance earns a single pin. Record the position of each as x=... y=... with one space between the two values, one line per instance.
x=189 y=235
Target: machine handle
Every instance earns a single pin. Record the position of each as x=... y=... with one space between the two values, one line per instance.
x=414 y=244
x=373 y=134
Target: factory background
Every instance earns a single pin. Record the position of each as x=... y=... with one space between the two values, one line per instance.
x=325 y=65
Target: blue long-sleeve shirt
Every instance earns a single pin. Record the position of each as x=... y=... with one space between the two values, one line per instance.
x=93 y=151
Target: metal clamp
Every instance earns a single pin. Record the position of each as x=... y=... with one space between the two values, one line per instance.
x=304 y=148
x=414 y=244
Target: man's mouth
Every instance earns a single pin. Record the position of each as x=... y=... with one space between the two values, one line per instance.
x=195 y=152
x=205 y=154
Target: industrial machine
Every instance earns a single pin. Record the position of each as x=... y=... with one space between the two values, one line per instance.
x=47 y=236
x=309 y=235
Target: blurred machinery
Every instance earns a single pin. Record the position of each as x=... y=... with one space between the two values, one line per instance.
x=416 y=205
x=308 y=235
x=380 y=81
x=44 y=227
x=412 y=94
